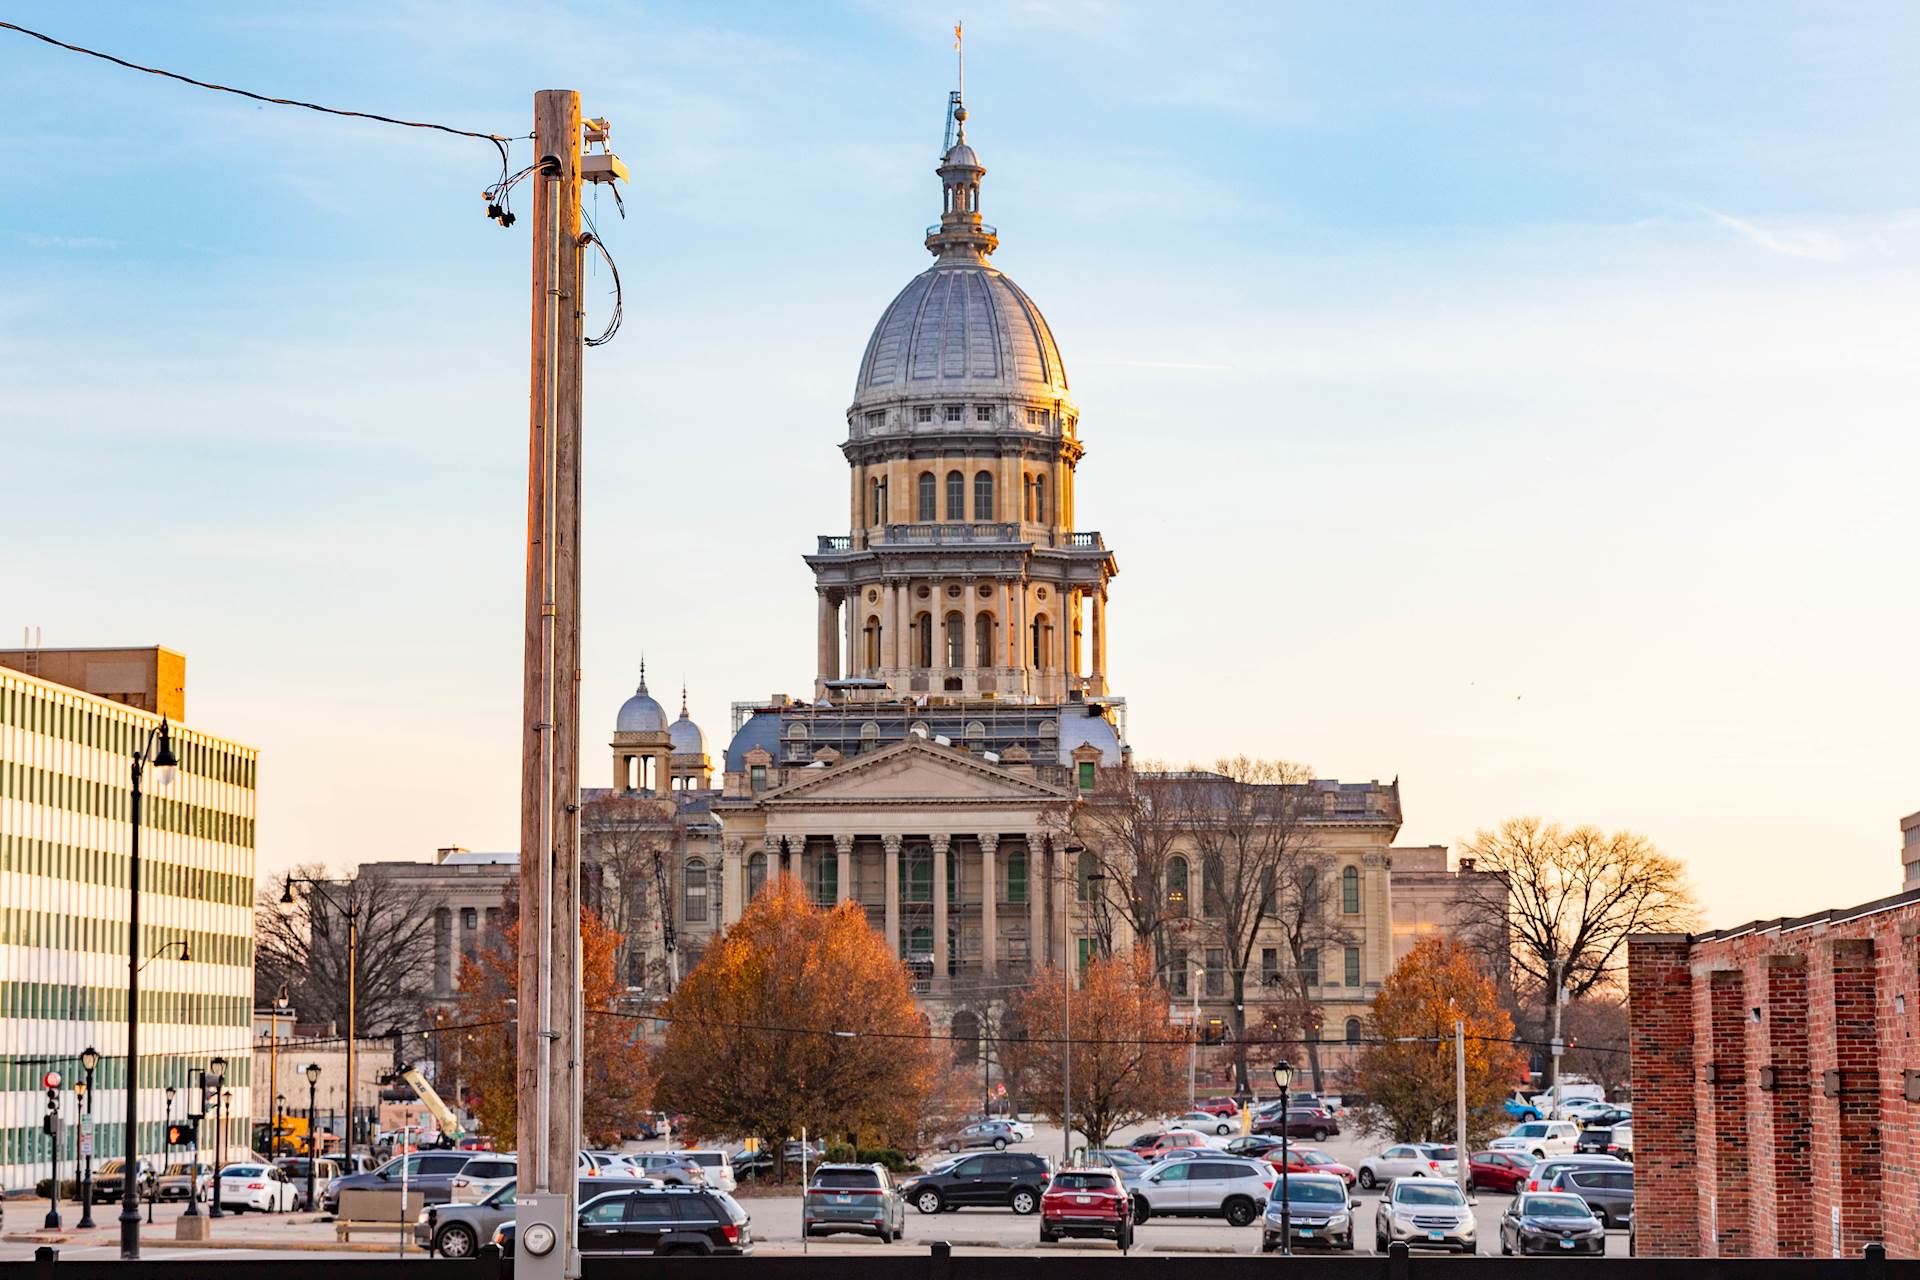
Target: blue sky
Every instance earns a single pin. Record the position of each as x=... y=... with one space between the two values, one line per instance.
x=1515 y=400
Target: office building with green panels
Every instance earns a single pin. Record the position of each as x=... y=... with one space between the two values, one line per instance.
x=65 y=845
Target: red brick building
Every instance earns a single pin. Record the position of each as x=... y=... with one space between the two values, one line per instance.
x=1776 y=1085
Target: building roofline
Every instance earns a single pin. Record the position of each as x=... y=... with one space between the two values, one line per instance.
x=1790 y=924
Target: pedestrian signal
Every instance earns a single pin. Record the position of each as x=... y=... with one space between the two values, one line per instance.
x=179 y=1135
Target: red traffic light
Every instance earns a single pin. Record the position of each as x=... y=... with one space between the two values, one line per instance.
x=51 y=1080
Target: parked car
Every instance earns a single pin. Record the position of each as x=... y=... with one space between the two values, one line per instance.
x=1520 y=1106
x=1257 y=1146
x=1087 y=1203
x=181 y=1182
x=1301 y=1122
x=325 y=1170
x=994 y=1179
x=998 y=1134
x=1021 y=1129
x=108 y=1180
x=1599 y=1140
x=458 y=1230
x=1542 y=1137
x=1497 y=1170
x=1408 y=1160
x=1203 y=1122
x=1311 y=1160
x=1610 y=1115
x=1582 y=1110
x=1537 y=1223
x=428 y=1174
x=485 y=1174
x=1608 y=1192
x=673 y=1168
x=1209 y=1186
x=1220 y=1106
x=256 y=1186
x=1171 y=1140
x=717 y=1164
x=853 y=1197
x=1130 y=1168
x=1544 y=1171
x=474 y=1142
x=1319 y=1211
x=1424 y=1213
x=671 y=1220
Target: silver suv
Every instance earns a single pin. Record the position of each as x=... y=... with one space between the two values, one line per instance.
x=1206 y=1187
x=1424 y=1213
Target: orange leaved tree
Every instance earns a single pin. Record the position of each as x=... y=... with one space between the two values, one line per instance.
x=616 y=1089
x=798 y=1016
x=1407 y=1077
x=1129 y=1060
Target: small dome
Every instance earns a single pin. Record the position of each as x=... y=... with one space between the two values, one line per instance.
x=640 y=713
x=962 y=154
x=686 y=736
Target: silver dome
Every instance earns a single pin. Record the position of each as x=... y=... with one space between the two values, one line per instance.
x=686 y=736
x=960 y=329
x=640 y=713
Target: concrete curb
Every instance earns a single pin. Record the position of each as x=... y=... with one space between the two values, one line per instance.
x=265 y=1246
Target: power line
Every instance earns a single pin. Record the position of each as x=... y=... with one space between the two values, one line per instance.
x=498 y=140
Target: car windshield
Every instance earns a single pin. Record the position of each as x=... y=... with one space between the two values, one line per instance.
x=178 y=1170
x=1405 y=1192
x=242 y=1171
x=1306 y=1191
x=1307 y=1155
x=1554 y=1207
x=865 y=1179
x=1084 y=1182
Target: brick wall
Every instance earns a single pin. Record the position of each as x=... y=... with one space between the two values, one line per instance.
x=1769 y=1086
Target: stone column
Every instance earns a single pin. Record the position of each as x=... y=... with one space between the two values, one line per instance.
x=1100 y=641
x=904 y=626
x=1036 y=901
x=970 y=655
x=823 y=638
x=856 y=606
x=1070 y=606
x=940 y=909
x=937 y=624
x=989 y=905
x=890 y=866
x=776 y=845
x=733 y=879
x=892 y=651
x=843 y=855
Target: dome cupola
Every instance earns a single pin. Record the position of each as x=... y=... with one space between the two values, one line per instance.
x=640 y=713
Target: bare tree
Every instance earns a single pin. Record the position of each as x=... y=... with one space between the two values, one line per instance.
x=1569 y=900
x=1596 y=1032
x=1130 y=829
x=1308 y=930
x=628 y=841
x=1247 y=821
x=304 y=945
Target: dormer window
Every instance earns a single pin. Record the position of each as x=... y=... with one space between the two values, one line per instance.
x=983 y=413
x=923 y=413
x=1036 y=417
x=955 y=412
x=876 y=420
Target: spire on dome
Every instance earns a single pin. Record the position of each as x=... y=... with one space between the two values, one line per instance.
x=683 y=699
x=643 y=674
x=960 y=235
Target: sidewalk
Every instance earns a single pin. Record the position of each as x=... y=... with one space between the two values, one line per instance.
x=303 y=1231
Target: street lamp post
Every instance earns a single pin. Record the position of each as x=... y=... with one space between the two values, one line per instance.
x=1283 y=1077
x=217 y=1148
x=273 y=1066
x=158 y=744
x=353 y=969
x=167 y=1135
x=89 y=1059
x=313 y=1134
x=195 y=1111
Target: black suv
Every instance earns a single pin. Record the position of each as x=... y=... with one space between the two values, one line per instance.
x=673 y=1221
x=1000 y=1179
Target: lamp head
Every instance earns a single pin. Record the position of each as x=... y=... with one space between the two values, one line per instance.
x=1282 y=1074
x=286 y=894
x=89 y=1058
x=313 y=1073
x=165 y=763
x=170 y=1093
x=185 y=954
x=217 y=1068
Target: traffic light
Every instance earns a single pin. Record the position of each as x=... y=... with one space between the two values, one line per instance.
x=180 y=1134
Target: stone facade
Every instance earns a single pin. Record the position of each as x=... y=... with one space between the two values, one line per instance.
x=1776 y=1074
x=1431 y=897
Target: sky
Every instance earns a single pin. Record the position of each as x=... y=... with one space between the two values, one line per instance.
x=1514 y=400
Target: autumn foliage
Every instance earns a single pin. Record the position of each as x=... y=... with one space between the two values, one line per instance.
x=1128 y=1061
x=1409 y=1087
x=799 y=1016
x=617 y=1086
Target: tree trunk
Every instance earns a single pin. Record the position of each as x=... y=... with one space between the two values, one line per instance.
x=1240 y=1082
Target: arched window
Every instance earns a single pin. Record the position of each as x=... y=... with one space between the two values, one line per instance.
x=756 y=875
x=1083 y=875
x=956 y=496
x=871 y=634
x=1027 y=494
x=1040 y=499
x=873 y=502
x=1017 y=875
x=869 y=733
x=826 y=879
x=923 y=641
x=966 y=1037
x=696 y=906
x=796 y=732
x=1350 y=891
x=927 y=497
x=983 y=640
x=1177 y=885
x=1042 y=642
x=1353 y=1031
x=916 y=877
x=983 y=495
x=956 y=640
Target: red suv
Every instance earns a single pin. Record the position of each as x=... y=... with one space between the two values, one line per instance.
x=1221 y=1106
x=1087 y=1202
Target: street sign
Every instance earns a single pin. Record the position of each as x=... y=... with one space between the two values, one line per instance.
x=86 y=1135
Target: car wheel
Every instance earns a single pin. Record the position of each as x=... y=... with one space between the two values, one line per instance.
x=953 y=1146
x=1319 y=1135
x=1470 y=1186
x=1140 y=1209
x=1268 y=1244
x=1240 y=1212
x=1538 y=1154
x=455 y=1241
x=999 y=1144
x=1367 y=1179
x=927 y=1201
x=886 y=1234
x=1379 y=1244
x=1220 y=1131
x=1023 y=1201
x=1046 y=1236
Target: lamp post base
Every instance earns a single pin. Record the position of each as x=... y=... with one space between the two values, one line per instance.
x=130 y=1231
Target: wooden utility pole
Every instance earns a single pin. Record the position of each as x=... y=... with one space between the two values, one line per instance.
x=548 y=1041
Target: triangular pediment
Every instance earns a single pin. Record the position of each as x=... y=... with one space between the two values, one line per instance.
x=915 y=771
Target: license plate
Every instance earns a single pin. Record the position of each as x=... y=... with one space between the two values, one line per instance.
x=1436 y=1235
x=844 y=1199
x=1083 y=1199
x=1566 y=1244
x=1306 y=1233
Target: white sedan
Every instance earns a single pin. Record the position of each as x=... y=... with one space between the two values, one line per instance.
x=257 y=1186
x=1203 y=1122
